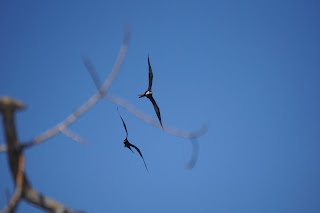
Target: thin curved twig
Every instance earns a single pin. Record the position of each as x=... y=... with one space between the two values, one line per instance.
x=195 y=154
x=19 y=187
x=92 y=71
x=74 y=136
x=168 y=129
x=92 y=101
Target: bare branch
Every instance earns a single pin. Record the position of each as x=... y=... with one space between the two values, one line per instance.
x=3 y=148
x=43 y=201
x=19 y=186
x=7 y=103
x=119 y=60
x=74 y=136
x=92 y=71
x=8 y=106
x=92 y=101
x=168 y=129
x=8 y=196
x=195 y=153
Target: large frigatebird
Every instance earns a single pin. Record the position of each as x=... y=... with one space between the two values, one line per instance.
x=129 y=145
x=148 y=94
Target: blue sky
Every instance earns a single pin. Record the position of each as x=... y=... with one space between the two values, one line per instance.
x=250 y=69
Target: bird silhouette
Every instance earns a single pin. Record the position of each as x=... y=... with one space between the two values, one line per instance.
x=128 y=144
x=149 y=93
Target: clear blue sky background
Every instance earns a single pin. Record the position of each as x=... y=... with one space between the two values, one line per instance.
x=249 y=68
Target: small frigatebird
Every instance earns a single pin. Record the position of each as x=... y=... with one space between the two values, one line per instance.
x=148 y=94
x=129 y=145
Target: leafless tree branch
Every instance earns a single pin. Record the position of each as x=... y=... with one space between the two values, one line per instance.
x=93 y=73
x=44 y=202
x=92 y=101
x=195 y=154
x=74 y=136
x=3 y=148
x=168 y=129
x=19 y=186
x=8 y=196
x=14 y=149
x=8 y=106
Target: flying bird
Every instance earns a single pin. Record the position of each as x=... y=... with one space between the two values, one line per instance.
x=148 y=94
x=129 y=145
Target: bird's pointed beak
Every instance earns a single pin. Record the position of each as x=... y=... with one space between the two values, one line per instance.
x=141 y=95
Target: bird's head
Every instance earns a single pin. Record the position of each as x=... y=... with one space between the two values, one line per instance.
x=126 y=143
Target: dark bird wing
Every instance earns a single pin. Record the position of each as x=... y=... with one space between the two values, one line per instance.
x=156 y=108
x=150 y=75
x=130 y=149
x=140 y=155
x=123 y=124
